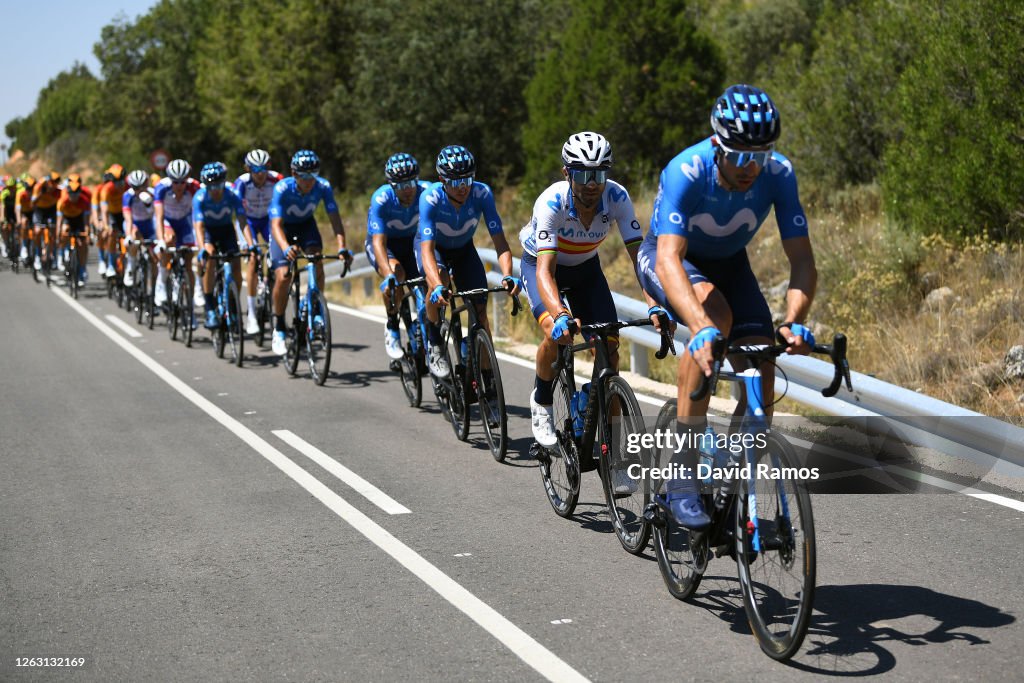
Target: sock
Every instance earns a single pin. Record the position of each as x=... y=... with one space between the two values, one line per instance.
x=211 y=305
x=433 y=334
x=252 y=305
x=543 y=394
x=392 y=323
x=279 y=323
x=686 y=457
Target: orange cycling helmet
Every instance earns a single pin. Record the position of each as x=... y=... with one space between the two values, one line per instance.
x=74 y=183
x=116 y=171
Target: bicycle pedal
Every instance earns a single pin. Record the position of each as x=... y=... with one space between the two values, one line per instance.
x=395 y=366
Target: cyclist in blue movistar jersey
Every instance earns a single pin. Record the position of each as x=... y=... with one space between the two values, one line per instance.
x=450 y=211
x=391 y=225
x=712 y=198
x=560 y=250
x=212 y=210
x=255 y=187
x=293 y=227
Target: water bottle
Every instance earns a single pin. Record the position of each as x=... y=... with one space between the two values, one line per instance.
x=579 y=409
x=464 y=346
x=708 y=453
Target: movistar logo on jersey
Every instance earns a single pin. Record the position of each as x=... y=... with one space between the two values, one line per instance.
x=224 y=212
x=617 y=194
x=692 y=172
x=706 y=223
x=397 y=225
x=556 y=203
x=300 y=211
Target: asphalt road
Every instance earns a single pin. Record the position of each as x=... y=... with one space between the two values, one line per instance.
x=158 y=521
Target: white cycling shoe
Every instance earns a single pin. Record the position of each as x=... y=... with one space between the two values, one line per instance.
x=542 y=422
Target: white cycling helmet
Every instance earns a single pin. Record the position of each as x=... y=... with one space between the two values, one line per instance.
x=178 y=169
x=257 y=157
x=587 y=150
x=138 y=178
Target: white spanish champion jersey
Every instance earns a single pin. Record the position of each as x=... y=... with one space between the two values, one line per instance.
x=555 y=227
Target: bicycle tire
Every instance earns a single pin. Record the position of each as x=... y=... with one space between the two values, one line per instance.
x=318 y=339
x=457 y=400
x=73 y=267
x=217 y=333
x=150 y=299
x=490 y=396
x=48 y=267
x=560 y=466
x=186 y=309
x=139 y=291
x=626 y=510
x=785 y=553
x=291 y=356
x=235 y=328
x=173 y=313
x=680 y=558
x=262 y=307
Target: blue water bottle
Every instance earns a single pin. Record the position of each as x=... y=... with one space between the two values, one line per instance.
x=579 y=409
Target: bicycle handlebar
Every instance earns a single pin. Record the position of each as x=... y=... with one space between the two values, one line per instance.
x=836 y=351
x=602 y=329
x=516 y=303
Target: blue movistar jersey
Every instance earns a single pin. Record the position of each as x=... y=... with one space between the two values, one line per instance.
x=216 y=213
x=388 y=217
x=451 y=229
x=718 y=223
x=291 y=206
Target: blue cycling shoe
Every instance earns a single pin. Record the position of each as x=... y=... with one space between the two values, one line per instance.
x=211 y=320
x=688 y=511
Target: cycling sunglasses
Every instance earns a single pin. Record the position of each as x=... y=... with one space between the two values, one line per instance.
x=404 y=184
x=459 y=182
x=257 y=169
x=583 y=176
x=301 y=175
x=216 y=186
x=741 y=159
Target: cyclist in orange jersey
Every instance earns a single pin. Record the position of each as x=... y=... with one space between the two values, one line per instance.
x=73 y=209
x=111 y=195
x=45 y=195
x=96 y=224
x=23 y=214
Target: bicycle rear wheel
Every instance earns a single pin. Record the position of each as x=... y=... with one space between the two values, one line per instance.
x=560 y=465
x=457 y=401
x=139 y=291
x=262 y=307
x=775 y=552
x=173 y=314
x=682 y=556
x=490 y=396
x=235 y=328
x=186 y=309
x=297 y=330
x=150 y=299
x=217 y=334
x=73 y=270
x=627 y=499
x=318 y=338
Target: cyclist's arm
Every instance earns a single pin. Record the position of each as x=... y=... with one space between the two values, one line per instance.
x=547 y=286
x=429 y=264
x=380 y=252
x=633 y=250
x=158 y=220
x=338 y=228
x=277 y=233
x=425 y=234
x=504 y=253
x=669 y=268
x=60 y=225
x=803 y=281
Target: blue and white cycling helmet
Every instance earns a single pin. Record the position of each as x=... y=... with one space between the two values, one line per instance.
x=746 y=116
x=257 y=158
x=214 y=172
x=587 y=150
x=401 y=167
x=178 y=170
x=455 y=161
x=306 y=161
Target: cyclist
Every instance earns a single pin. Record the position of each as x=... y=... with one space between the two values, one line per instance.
x=172 y=216
x=73 y=209
x=255 y=187
x=560 y=250
x=712 y=198
x=450 y=211
x=96 y=225
x=45 y=196
x=212 y=210
x=23 y=214
x=293 y=226
x=111 y=195
x=8 y=200
x=137 y=208
x=391 y=226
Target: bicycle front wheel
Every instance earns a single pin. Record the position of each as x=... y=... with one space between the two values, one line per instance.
x=318 y=338
x=560 y=465
x=186 y=310
x=73 y=273
x=621 y=469
x=236 y=331
x=173 y=314
x=490 y=395
x=217 y=333
x=775 y=550
x=682 y=556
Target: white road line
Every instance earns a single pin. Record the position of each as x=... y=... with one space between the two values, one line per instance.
x=121 y=325
x=357 y=483
x=520 y=643
x=653 y=400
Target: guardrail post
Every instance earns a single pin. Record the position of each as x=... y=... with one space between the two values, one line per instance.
x=367 y=287
x=638 y=359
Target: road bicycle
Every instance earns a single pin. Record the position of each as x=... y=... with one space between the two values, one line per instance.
x=115 y=280
x=413 y=363
x=180 y=307
x=229 y=331
x=72 y=267
x=141 y=291
x=759 y=517
x=611 y=420
x=264 y=287
x=311 y=323
x=474 y=376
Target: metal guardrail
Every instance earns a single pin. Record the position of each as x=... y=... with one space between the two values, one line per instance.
x=913 y=417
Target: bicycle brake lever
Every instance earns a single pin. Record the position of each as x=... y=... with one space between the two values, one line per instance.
x=667 y=343
x=516 y=305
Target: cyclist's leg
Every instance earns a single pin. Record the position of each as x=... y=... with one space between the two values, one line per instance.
x=260 y=228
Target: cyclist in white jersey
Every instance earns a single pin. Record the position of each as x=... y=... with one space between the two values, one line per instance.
x=560 y=250
x=172 y=216
x=256 y=188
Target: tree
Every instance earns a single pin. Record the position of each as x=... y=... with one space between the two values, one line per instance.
x=639 y=73
x=64 y=103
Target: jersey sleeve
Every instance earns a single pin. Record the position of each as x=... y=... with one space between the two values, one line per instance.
x=789 y=213
x=487 y=207
x=546 y=217
x=327 y=195
x=624 y=216
x=274 y=211
x=676 y=198
x=375 y=220
x=428 y=206
x=236 y=199
x=197 y=206
x=126 y=200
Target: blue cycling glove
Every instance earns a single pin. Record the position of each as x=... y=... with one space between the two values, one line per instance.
x=389 y=282
x=658 y=310
x=516 y=285
x=345 y=254
x=803 y=332
x=705 y=336
x=437 y=296
x=561 y=327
